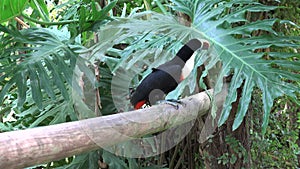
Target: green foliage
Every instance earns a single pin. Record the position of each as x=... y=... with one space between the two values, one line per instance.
x=89 y=14
x=87 y=160
x=289 y=9
x=43 y=60
x=41 y=68
x=40 y=9
x=114 y=161
x=279 y=146
x=238 y=152
x=11 y=8
x=38 y=55
x=225 y=26
x=39 y=65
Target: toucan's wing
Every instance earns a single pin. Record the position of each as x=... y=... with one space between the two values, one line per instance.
x=172 y=70
x=165 y=77
x=157 y=84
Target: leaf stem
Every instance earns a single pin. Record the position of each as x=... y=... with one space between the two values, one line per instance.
x=41 y=12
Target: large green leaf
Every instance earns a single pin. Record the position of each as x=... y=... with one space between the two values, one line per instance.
x=224 y=24
x=41 y=55
x=11 y=8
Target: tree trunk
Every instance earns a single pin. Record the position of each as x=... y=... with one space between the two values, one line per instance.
x=227 y=148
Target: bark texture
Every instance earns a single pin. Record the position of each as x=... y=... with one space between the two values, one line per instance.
x=30 y=147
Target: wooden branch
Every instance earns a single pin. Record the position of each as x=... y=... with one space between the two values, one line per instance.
x=39 y=145
x=22 y=23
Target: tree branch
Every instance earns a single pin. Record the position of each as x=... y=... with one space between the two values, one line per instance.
x=39 y=145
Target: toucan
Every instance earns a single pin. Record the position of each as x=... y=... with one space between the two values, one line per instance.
x=166 y=77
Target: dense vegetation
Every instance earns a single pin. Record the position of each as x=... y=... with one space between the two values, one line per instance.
x=59 y=58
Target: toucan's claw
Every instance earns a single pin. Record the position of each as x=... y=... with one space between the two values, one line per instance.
x=173 y=102
x=177 y=101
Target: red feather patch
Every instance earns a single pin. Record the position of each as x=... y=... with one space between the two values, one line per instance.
x=139 y=104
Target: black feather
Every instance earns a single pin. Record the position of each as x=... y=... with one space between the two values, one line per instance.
x=165 y=77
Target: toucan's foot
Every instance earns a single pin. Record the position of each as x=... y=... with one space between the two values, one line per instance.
x=173 y=102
